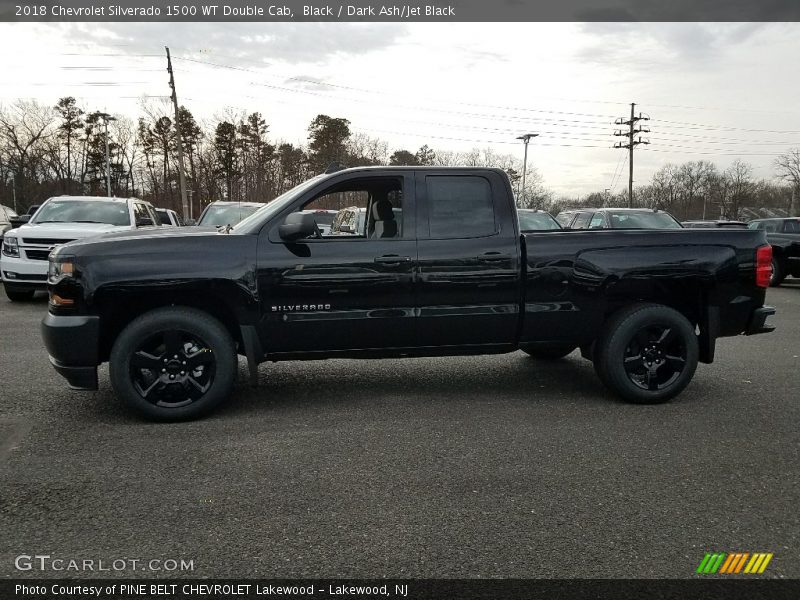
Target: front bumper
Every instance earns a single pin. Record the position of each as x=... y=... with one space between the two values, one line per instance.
x=758 y=320
x=72 y=343
x=22 y=272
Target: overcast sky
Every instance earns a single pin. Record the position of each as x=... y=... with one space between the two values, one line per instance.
x=713 y=91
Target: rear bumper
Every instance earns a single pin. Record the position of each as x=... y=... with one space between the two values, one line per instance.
x=72 y=343
x=758 y=320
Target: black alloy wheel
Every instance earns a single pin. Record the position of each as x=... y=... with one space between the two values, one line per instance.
x=655 y=357
x=173 y=368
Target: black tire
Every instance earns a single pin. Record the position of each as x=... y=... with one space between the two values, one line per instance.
x=18 y=295
x=549 y=352
x=647 y=353
x=778 y=273
x=173 y=364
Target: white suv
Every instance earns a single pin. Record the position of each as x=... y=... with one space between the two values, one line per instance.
x=23 y=262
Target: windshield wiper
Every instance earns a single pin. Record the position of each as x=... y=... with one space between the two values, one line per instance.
x=100 y=222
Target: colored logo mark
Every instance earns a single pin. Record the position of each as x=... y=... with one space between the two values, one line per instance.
x=734 y=563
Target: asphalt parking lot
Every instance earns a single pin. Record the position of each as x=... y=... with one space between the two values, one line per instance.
x=495 y=466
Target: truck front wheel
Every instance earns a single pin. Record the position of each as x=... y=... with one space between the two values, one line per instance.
x=173 y=364
x=18 y=294
x=647 y=353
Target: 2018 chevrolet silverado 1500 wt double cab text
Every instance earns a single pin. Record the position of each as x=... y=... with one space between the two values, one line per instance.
x=439 y=267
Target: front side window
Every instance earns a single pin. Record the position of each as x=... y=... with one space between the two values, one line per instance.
x=460 y=207
x=359 y=209
x=142 y=215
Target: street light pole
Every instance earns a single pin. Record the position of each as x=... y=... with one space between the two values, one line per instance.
x=525 y=139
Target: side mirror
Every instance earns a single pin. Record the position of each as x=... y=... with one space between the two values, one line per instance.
x=144 y=222
x=346 y=229
x=298 y=226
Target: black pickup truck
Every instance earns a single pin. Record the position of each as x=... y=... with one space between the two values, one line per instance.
x=438 y=267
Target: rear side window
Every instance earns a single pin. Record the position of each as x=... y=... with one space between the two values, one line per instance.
x=460 y=207
x=791 y=226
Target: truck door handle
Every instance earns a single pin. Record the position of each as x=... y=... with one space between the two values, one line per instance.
x=392 y=260
x=493 y=257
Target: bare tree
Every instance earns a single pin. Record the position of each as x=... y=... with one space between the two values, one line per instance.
x=788 y=168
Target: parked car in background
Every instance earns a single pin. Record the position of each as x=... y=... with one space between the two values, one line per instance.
x=167 y=216
x=218 y=214
x=784 y=237
x=536 y=220
x=617 y=218
x=6 y=214
x=353 y=221
x=323 y=218
x=717 y=223
x=24 y=218
x=63 y=219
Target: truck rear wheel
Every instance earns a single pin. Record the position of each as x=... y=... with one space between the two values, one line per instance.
x=173 y=364
x=647 y=354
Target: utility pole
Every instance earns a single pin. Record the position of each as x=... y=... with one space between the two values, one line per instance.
x=106 y=118
x=525 y=139
x=181 y=174
x=632 y=143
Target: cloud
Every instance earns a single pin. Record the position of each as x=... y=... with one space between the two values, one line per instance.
x=258 y=43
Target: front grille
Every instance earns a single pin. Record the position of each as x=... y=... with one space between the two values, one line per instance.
x=37 y=254
x=44 y=241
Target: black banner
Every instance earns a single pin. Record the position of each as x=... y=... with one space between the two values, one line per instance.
x=401 y=11
x=410 y=589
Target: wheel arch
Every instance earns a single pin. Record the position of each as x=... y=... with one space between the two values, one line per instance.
x=117 y=307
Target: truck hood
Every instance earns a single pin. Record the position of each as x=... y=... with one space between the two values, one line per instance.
x=71 y=231
x=160 y=244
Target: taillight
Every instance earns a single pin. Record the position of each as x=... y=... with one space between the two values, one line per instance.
x=763 y=265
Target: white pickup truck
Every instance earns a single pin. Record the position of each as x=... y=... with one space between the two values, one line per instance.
x=62 y=219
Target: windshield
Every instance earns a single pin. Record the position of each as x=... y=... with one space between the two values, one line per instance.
x=533 y=221
x=254 y=222
x=226 y=214
x=84 y=211
x=643 y=220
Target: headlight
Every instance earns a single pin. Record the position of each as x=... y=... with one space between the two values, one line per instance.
x=59 y=268
x=10 y=246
